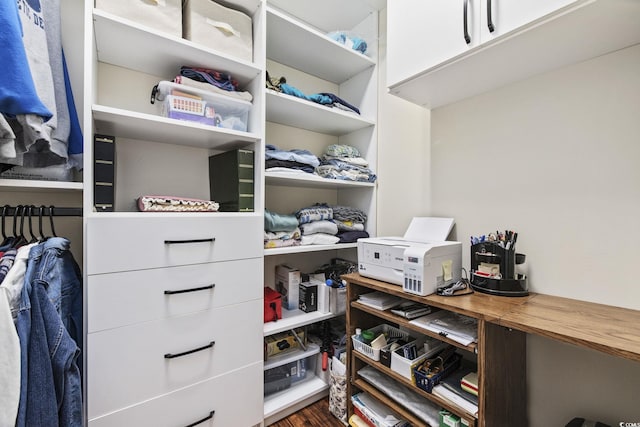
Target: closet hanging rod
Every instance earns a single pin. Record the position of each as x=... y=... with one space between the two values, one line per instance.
x=7 y=210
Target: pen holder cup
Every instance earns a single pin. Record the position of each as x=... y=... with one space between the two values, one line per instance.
x=494 y=254
x=503 y=287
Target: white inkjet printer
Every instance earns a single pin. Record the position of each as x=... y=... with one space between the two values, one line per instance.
x=420 y=262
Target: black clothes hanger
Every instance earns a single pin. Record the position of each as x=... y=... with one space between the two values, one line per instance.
x=19 y=238
x=34 y=238
x=5 y=239
x=53 y=230
x=40 y=213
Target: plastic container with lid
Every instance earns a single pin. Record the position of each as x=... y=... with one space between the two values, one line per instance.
x=211 y=108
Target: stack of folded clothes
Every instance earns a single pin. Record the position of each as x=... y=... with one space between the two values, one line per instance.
x=344 y=162
x=280 y=230
x=322 y=224
x=350 y=222
x=295 y=160
x=317 y=226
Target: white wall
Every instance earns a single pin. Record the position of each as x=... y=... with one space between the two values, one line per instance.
x=556 y=158
x=403 y=154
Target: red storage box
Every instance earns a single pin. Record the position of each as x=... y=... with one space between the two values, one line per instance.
x=272 y=305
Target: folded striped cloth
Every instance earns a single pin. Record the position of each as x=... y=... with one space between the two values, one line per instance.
x=175 y=204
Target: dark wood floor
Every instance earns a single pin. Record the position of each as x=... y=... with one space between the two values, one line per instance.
x=314 y=415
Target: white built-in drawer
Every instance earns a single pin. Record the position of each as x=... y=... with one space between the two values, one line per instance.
x=235 y=397
x=133 y=243
x=131 y=364
x=119 y=299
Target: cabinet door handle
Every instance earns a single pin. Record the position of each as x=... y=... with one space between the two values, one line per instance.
x=489 y=20
x=208 y=417
x=184 y=353
x=177 y=242
x=464 y=20
x=183 y=291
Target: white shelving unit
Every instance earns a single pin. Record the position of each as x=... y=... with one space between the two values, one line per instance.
x=214 y=260
x=298 y=47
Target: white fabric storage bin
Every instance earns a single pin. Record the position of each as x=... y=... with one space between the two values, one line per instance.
x=160 y=15
x=226 y=30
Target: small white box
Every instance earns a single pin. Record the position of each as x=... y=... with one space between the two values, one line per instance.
x=338 y=300
x=404 y=366
x=221 y=28
x=288 y=284
x=159 y=15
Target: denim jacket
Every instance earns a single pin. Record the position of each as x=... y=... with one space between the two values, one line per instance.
x=51 y=302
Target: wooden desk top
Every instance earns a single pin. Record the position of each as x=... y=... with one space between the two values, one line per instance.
x=612 y=330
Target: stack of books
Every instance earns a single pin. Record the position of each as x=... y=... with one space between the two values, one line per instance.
x=461 y=387
x=411 y=310
x=374 y=413
x=380 y=300
x=460 y=328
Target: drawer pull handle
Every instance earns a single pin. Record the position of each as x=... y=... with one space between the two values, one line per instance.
x=183 y=291
x=184 y=353
x=464 y=22
x=208 y=417
x=176 y=242
x=489 y=20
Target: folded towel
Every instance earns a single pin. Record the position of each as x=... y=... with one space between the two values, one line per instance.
x=175 y=204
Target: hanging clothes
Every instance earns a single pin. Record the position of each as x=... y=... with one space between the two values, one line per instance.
x=9 y=364
x=49 y=325
x=44 y=292
x=17 y=94
x=39 y=127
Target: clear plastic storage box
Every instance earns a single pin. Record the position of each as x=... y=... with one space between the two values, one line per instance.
x=187 y=103
x=284 y=376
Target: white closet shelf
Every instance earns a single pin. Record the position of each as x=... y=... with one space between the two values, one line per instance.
x=308 y=248
x=304 y=48
x=297 y=112
x=294 y=319
x=308 y=180
x=352 y=12
x=306 y=389
x=148 y=127
x=39 y=186
x=168 y=215
x=127 y=44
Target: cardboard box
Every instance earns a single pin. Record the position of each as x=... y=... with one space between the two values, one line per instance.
x=282 y=342
x=308 y=296
x=288 y=283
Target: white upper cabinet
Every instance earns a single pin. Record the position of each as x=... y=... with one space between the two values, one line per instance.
x=498 y=17
x=423 y=34
x=444 y=29
x=442 y=51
